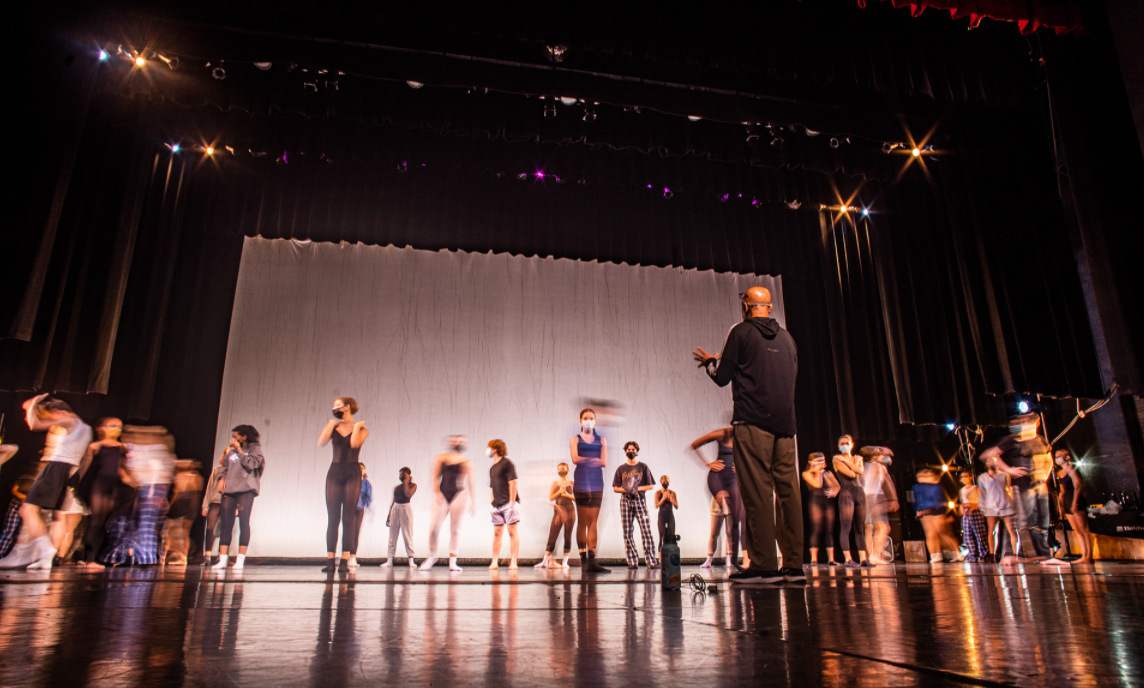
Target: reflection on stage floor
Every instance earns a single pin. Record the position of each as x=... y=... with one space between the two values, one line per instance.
x=294 y=625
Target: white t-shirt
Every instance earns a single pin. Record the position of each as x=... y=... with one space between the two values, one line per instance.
x=68 y=448
x=150 y=464
x=996 y=494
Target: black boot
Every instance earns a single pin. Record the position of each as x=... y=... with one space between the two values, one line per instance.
x=331 y=565
x=343 y=565
x=593 y=567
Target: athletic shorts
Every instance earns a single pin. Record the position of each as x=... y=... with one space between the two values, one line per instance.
x=589 y=499
x=506 y=514
x=51 y=486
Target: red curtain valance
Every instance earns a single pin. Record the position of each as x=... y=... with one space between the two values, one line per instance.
x=1062 y=16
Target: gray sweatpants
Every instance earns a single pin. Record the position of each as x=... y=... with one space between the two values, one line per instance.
x=401 y=521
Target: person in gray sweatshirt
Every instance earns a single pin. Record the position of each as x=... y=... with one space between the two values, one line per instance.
x=241 y=479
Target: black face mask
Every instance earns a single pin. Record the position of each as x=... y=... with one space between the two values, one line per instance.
x=665 y=484
x=631 y=455
x=338 y=413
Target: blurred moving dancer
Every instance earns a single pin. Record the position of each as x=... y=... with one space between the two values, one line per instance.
x=400 y=519
x=451 y=473
x=150 y=469
x=560 y=493
x=633 y=478
x=1073 y=503
x=851 y=501
x=881 y=501
x=240 y=485
x=1023 y=454
x=13 y=524
x=972 y=520
x=505 y=498
x=343 y=480
x=665 y=501
x=185 y=497
x=760 y=361
x=212 y=500
x=724 y=489
x=931 y=503
x=66 y=444
x=823 y=488
x=995 y=497
x=590 y=457
x=101 y=487
x=365 y=500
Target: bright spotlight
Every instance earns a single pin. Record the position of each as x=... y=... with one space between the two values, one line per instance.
x=915 y=152
x=945 y=468
x=950 y=426
x=865 y=212
x=174 y=148
x=951 y=505
x=103 y=56
x=1023 y=406
x=140 y=61
x=210 y=150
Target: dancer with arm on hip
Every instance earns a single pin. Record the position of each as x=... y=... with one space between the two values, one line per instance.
x=400 y=520
x=563 y=516
x=724 y=489
x=241 y=484
x=343 y=480
x=452 y=487
x=590 y=457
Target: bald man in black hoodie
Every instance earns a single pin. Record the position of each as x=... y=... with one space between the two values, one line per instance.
x=760 y=360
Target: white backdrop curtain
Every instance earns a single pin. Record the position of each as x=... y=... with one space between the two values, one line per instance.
x=490 y=346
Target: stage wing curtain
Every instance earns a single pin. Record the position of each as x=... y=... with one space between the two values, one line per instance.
x=487 y=345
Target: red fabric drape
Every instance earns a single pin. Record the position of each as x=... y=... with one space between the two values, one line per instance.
x=1062 y=16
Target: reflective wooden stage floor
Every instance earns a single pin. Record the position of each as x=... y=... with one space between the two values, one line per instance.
x=293 y=625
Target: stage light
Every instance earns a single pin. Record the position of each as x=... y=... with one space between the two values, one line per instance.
x=210 y=150
x=811 y=132
x=865 y=212
x=1023 y=406
x=568 y=101
x=174 y=147
x=843 y=208
x=693 y=118
x=951 y=505
x=950 y=426
x=264 y=66
x=945 y=468
x=834 y=143
x=103 y=56
x=415 y=84
x=140 y=61
x=539 y=174
x=915 y=152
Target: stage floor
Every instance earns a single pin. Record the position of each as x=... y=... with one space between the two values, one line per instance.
x=293 y=625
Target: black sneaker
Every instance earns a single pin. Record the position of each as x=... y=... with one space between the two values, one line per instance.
x=756 y=576
x=331 y=566
x=793 y=575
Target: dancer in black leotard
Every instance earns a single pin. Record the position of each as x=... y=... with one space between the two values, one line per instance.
x=823 y=488
x=343 y=480
x=100 y=486
x=451 y=473
x=851 y=500
x=665 y=499
x=590 y=457
x=725 y=489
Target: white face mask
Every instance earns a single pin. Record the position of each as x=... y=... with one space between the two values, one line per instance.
x=845 y=448
x=489 y=452
x=588 y=424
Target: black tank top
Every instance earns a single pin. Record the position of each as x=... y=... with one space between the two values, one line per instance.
x=343 y=452
x=107 y=461
x=399 y=495
x=727 y=456
x=667 y=505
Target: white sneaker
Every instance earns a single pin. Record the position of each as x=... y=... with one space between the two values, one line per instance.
x=222 y=562
x=427 y=565
x=42 y=553
x=19 y=557
x=353 y=563
x=387 y=563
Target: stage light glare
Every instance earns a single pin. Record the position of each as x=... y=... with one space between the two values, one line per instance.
x=414 y=84
x=174 y=148
x=210 y=150
x=1023 y=406
x=103 y=56
x=915 y=152
x=945 y=468
x=694 y=118
x=865 y=212
x=140 y=61
x=951 y=505
x=539 y=174
x=950 y=426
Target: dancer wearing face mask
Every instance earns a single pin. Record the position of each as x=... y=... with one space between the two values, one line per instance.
x=851 y=500
x=724 y=489
x=400 y=518
x=343 y=480
x=101 y=487
x=632 y=479
x=1072 y=504
x=590 y=457
x=665 y=501
x=1021 y=454
x=560 y=493
x=241 y=483
x=451 y=473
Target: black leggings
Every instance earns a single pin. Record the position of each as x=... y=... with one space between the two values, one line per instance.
x=852 y=508
x=101 y=507
x=562 y=517
x=666 y=525
x=343 y=488
x=822 y=512
x=243 y=502
x=213 y=512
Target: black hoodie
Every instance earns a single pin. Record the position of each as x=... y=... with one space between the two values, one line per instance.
x=760 y=359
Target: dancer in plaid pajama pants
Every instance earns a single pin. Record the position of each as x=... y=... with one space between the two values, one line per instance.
x=633 y=478
x=973 y=528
